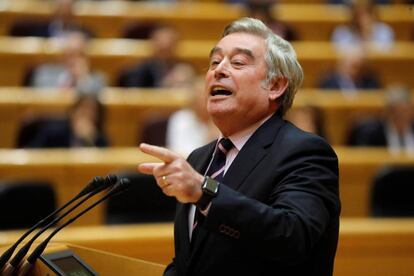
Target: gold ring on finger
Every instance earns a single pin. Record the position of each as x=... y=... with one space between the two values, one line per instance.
x=164 y=180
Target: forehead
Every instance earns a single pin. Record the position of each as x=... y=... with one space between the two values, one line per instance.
x=236 y=41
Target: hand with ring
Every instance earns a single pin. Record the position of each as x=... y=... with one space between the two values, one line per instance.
x=184 y=183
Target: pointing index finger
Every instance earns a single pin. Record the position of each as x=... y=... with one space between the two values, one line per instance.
x=162 y=153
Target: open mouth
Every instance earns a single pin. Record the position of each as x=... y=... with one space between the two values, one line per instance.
x=220 y=91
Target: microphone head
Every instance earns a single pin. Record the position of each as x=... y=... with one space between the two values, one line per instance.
x=94 y=184
x=107 y=182
x=120 y=186
x=111 y=180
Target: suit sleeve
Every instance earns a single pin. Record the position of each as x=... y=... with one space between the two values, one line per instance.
x=170 y=269
x=302 y=199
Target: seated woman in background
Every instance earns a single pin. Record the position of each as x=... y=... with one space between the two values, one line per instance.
x=82 y=127
x=363 y=29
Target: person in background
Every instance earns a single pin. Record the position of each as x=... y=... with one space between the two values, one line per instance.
x=344 y=2
x=182 y=75
x=152 y=72
x=74 y=70
x=264 y=198
x=188 y=128
x=61 y=22
x=394 y=130
x=307 y=118
x=191 y=127
x=263 y=10
x=363 y=29
x=82 y=127
x=352 y=73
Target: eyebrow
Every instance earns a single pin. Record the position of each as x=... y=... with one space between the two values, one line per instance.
x=215 y=50
x=236 y=50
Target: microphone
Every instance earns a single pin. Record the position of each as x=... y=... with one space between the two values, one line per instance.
x=92 y=189
x=92 y=185
x=119 y=188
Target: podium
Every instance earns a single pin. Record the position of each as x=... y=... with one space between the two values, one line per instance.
x=78 y=260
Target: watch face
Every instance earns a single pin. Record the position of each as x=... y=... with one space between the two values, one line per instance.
x=211 y=186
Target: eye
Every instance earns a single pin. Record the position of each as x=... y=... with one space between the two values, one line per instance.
x=238 y=63
x=214 y=63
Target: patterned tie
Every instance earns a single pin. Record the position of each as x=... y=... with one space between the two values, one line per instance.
x=215 y=171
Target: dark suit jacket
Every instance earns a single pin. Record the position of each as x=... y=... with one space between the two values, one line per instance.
x=368 y=133
x=57 y=133
x=150 y=73
x=276 y=213
x=371 y=133
x=333 y=81
x=41 y=28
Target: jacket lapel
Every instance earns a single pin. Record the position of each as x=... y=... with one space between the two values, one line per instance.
x=252 y=152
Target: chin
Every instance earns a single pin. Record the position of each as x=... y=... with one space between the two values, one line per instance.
x=219 y=113
x=220 y=109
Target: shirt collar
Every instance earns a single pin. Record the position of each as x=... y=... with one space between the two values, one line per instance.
x=239 y=139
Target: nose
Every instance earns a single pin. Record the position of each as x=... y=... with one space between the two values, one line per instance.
x=221 y=70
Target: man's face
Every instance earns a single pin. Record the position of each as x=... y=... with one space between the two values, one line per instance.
x=236 y=93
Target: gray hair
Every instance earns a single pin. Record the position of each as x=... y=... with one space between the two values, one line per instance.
x=280 y=57
x=397 y=93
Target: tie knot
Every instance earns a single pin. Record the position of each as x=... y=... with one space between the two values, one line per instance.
x=225 y=145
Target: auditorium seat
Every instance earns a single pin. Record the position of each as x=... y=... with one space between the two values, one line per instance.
x=392 y=192
x=31 y=127
x=143 y=202
x=154 y=131
x=25 y=202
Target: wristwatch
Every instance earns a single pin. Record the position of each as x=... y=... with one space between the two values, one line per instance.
x=210 y=190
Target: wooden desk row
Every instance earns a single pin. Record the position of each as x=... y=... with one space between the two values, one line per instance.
x=70 y=170
x=366 y=246
x=111 y=56
x=128 y=109
x=201 y=20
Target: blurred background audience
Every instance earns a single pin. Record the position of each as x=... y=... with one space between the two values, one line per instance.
x=82 y=126
x=185 y=129
x=191 y=127
x=308 y=118
x=394 y=129
x=351 y=74
x=363 y=28
x=153 y=71
x=380 y=2
x=73 y=70
x=265 y=10
x=61 y=21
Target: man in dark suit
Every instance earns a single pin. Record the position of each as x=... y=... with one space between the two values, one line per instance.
x=153 y=71
x=272 y=208
x=394 y=130
x=352 y=73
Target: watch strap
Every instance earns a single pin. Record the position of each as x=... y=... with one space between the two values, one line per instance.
x=209 y=191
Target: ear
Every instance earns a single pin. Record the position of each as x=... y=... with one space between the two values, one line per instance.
x=277 y=87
